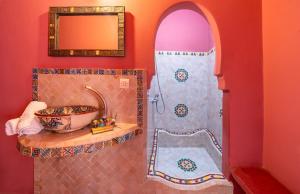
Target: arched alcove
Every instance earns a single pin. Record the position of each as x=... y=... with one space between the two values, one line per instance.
x=184 y=21
x=214 y=31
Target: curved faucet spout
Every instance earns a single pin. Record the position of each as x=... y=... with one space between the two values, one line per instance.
x=100 y=98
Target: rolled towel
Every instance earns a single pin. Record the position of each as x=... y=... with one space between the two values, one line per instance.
x=28 y=114
x=28 y=123
x=11 y=126
x=34 y=128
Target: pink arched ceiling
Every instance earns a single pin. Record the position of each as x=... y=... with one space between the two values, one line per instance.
x=184 y=30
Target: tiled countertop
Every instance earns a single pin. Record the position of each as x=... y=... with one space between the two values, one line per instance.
x=48 y=144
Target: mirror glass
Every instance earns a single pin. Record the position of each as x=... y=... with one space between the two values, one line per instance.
x=88 y=32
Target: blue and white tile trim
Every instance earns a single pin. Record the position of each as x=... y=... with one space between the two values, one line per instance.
x=185 y=53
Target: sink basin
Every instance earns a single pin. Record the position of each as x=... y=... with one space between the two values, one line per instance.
x=66 y=119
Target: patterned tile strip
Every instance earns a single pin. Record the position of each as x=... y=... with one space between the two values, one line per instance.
x=73 y=151
x=153 y=172
x=212 y=137
x=186 y=53
x=89 y=148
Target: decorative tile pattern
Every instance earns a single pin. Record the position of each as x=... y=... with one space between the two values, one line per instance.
x=181 y=75
x=80 y=149
x=45 y=153
x=221 y=113
x=181 y=110
x=186 y=53
x=211 y=135
x=35 y=152
x=57 y=152
x=214 y=140
x=66 y=110
x=201 y=82
x=153 y=172
x=187 y=165
x=68 y=151
x=76 y=150
x=89 y=148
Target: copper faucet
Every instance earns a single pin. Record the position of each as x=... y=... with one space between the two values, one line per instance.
x=101 y=100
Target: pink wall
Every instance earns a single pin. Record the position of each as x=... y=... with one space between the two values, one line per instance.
x=23 y=45
x=184 y=30
x=281 y=40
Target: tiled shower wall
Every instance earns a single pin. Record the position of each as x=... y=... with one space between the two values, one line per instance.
x=190 y=92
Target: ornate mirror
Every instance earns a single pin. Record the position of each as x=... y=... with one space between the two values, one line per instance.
x=86 y=31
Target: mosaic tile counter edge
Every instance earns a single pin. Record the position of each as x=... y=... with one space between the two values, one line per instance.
x=45 y=151
x=88 y=148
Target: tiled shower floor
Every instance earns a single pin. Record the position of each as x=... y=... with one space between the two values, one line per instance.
x=199 y=163
x=187 y=161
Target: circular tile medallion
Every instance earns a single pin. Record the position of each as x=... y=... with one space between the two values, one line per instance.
x=181 y=110
x=187 y=165
x=181 y=75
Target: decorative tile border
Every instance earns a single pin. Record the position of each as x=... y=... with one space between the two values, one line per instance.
x=75 y=150
x=185 y=53
x=154 y=173
x=194 y=132
x=214 y=140
x=88 y=148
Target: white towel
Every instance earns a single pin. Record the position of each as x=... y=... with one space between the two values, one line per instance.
x=34 y=128
x=11 y=126
x=28 y=123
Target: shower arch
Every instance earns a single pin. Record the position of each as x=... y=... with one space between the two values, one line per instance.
x=214 y=30
x=218 y=69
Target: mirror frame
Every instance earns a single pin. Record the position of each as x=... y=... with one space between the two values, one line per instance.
x=53 y=31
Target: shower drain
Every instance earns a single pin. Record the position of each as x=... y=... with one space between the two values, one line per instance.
x=187 y=165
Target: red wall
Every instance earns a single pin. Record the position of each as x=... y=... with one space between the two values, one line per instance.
x=281 y=45
x=23 y=45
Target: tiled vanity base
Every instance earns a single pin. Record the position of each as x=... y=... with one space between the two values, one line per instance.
x=120 y=169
